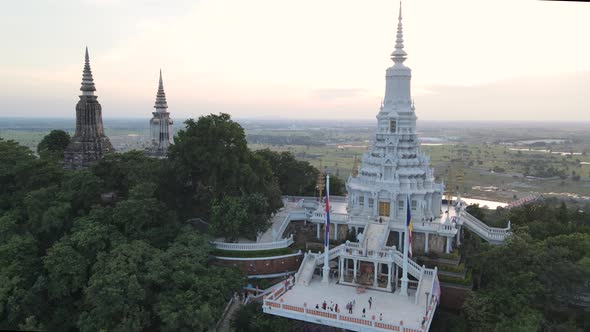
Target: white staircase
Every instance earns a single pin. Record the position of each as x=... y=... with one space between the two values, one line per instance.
x=374 y=236
x=491 y=234
x=305 y=273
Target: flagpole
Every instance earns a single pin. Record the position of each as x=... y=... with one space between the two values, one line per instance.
x=326 y=269
x=404 y=287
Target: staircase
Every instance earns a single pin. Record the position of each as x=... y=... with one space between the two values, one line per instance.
x=375 y=236
x=305 y=273
x=491 y=234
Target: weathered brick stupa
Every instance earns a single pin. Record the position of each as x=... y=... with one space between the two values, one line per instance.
x=89 y=143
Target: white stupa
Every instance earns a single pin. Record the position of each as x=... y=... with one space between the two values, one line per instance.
x=394 y=166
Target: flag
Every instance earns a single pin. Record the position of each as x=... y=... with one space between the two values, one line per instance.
x=409 y=224
x=327 y=225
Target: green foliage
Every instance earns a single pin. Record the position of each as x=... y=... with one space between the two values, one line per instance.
x=250 y=318
x=337 y=186
x=118 y=294
x=253 y=253
x=191 y=294
x=296 y=178
x=530 y=283
x=53 y=144
x=244 y=216
x=467 y=281
x=476 y=211
x=452 y=268
x=212 y=158
x=73 y=260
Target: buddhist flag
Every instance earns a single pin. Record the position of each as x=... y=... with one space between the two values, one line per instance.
x=409 y=224
x=327 y=225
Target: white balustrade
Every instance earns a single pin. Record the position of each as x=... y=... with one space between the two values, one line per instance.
x=488 y=233
x=253 y=246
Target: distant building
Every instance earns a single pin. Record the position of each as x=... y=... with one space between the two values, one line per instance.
x=89 y=143
x=161 y=130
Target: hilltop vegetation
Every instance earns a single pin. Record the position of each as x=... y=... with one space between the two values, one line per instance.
x=110 y=247
x=536 y=281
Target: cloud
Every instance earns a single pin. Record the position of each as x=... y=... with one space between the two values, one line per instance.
x=336 y=93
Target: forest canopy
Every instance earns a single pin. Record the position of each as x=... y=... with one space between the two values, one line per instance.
x=111 y=247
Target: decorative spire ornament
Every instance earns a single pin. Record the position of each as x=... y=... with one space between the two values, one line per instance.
x=399 y=55
x=161 y=104
x=87 y=87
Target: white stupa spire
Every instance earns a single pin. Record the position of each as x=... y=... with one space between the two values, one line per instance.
x=399 y=55
x=161 y=104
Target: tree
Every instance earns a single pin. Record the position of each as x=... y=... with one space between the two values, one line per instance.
x=295 y=177
x=192 y=293
x=475 y=211
x=119 y=291
x=53 y=144
x=250 y=318
x=121 y=171
x=337 y=186
x=227 y=217
x=212 y=156
x=143 y=217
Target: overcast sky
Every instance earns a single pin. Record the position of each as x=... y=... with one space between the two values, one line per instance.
x=471 y=59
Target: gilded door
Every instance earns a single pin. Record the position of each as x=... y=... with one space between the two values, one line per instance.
x=384 y=209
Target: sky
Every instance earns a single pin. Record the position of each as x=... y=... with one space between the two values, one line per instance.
x=470 y=60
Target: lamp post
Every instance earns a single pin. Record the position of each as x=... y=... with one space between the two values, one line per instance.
x=427 y=293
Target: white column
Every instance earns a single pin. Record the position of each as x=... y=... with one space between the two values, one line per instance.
x=341 y=269
x=335 y=232
x=388 y=276
x=375 y=272
x=458 y=235
x=354 y=261
x=346 y=265
x=399 y=242
x=448 y=249
x=318 y=231
x=395 y=277
x=425 y=242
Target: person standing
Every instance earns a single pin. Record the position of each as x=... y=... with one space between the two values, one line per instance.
x=370 y=301
x=363 y=312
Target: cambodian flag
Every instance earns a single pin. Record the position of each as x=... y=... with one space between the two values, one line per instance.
x=327 y=225
x=409 y=224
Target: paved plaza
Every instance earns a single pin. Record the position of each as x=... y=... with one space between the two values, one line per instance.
x=393 y=306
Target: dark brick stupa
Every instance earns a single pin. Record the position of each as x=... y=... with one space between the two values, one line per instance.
x=89 y=143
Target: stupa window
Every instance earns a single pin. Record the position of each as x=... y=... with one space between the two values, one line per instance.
x=361 y=200
x=371 y=203
x=400 y=205
x=414 y=205
x=392 y=126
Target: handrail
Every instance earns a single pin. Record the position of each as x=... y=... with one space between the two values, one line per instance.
x=420 y=284
x=284 y=243
x=488 y=233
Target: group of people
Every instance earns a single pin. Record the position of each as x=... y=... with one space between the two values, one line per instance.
x=332 y=307
x=349 y=307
